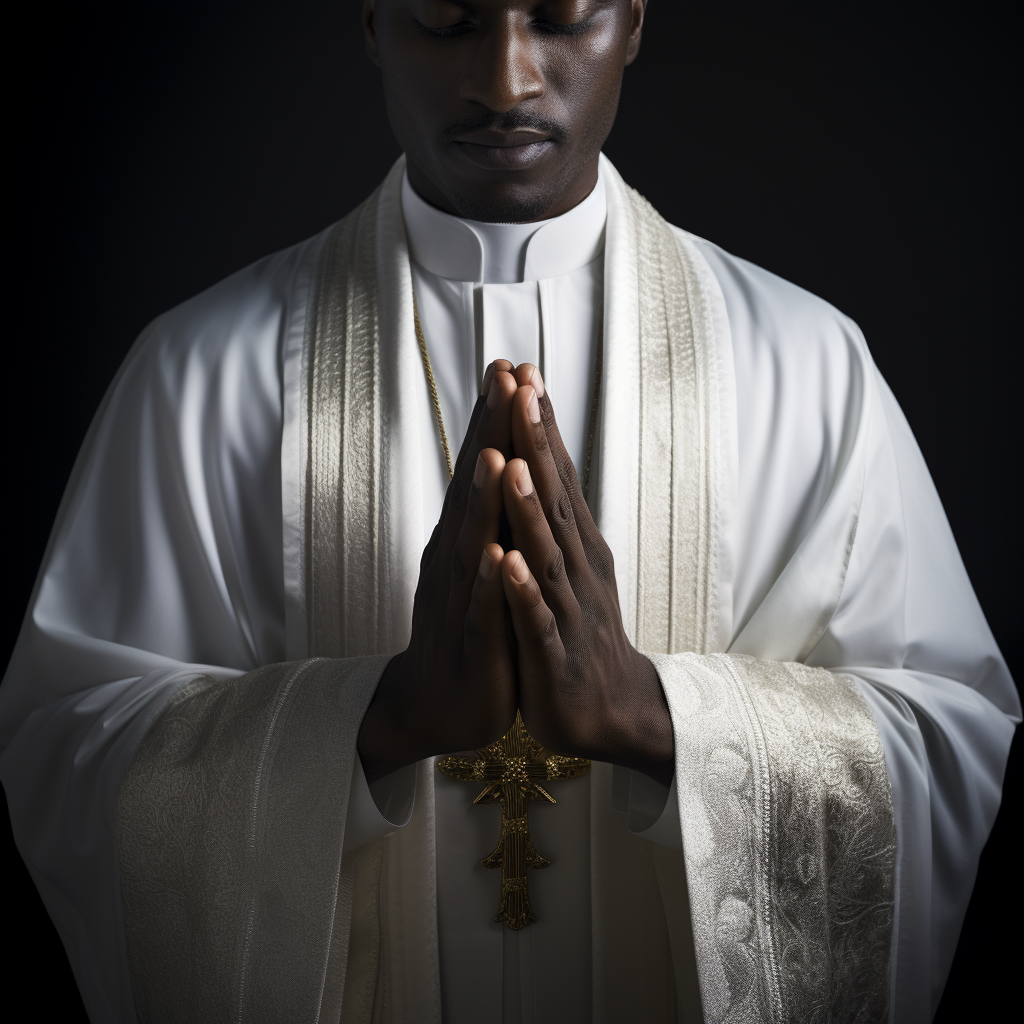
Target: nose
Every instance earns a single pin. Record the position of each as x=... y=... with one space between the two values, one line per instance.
x=504 y=71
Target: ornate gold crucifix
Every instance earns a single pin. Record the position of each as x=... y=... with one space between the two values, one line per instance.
x=512 y=770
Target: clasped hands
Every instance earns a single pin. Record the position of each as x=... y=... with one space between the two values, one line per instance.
x=536 y=627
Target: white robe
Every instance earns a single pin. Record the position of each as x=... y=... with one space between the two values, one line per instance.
x=166 y=561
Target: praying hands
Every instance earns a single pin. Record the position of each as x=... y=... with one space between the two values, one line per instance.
x=582 y=688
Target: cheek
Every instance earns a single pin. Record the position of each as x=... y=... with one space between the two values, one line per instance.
x=415 y=81
x=588 y=81
x=412 y=92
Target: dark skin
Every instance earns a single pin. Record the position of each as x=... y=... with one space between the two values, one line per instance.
x=502 y=107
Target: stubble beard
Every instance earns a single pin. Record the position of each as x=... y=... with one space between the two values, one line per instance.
x=507 y=203
x=489 y=202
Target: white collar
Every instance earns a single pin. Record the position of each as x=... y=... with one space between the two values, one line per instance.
x=471 y=250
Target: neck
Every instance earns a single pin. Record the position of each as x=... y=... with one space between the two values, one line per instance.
x=461 y=249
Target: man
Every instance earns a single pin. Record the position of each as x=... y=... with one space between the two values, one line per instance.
x=222 y=718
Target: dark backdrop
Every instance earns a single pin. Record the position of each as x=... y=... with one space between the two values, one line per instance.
x=864 y=155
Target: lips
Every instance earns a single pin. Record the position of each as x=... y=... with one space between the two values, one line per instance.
x=512 y=151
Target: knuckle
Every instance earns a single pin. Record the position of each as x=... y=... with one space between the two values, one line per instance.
x=555 y=570
x=561 y=512
x=548 y=634
x=602 y=638
x=566 y=468
x=458 y=565
x=457 y=493
x=604 y=562
x=541 y=439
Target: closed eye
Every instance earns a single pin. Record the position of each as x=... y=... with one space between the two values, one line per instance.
x=554 y=28
x=448 y=32
x=573 y=28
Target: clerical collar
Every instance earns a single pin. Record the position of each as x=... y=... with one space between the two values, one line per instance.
x=470 y=250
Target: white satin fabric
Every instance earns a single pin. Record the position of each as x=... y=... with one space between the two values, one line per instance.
x=529 y=293
x=166 y=561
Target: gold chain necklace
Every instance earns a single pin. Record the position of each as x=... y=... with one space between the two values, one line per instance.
x=513 y=768
x=436 y=402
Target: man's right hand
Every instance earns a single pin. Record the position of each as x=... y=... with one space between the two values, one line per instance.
x=454 y=687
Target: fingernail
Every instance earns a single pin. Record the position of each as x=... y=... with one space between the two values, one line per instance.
x=524 y=485
x=520 y=570
x=533 y=409
x=480 y=473
x=486 y=566
x=485 y=387
x=538 y=382
x=493 y=393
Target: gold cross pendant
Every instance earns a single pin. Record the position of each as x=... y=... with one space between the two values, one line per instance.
x=512 y=770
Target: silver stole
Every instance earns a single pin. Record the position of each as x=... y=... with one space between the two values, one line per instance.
x=779 y=853
x=787 y=822
x=237 y=902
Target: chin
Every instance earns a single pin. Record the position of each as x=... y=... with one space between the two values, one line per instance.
x=502 y=202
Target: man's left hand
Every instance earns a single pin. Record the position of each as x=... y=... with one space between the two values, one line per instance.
x=584 y=690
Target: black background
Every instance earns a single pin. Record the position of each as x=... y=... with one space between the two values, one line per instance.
x=864 y=154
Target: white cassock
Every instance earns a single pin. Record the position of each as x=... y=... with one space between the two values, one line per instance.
x=187 y=554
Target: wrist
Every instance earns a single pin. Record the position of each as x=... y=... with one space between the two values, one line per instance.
x=385 y=743
x=648 y=738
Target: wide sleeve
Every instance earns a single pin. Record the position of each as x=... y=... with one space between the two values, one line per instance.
x=910 y=632
x=839 y=766
x=156 y=628
x=231 y=828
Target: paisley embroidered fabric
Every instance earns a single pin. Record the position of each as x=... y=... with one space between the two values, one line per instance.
x=789 y=836
x=789 y=839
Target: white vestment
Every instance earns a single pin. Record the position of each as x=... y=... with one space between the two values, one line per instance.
x=183 y=550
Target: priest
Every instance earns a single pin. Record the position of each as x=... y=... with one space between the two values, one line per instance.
x=664 y=696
